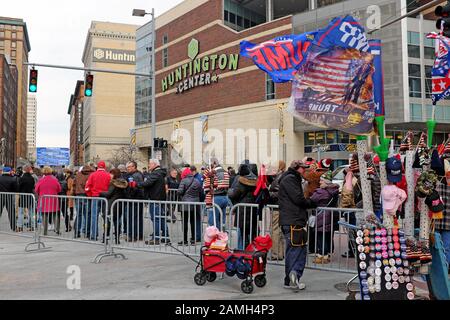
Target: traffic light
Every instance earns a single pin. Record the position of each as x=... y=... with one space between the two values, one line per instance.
x=160 y=143
x=88 y=85
x=32 y=86
x=444 y=13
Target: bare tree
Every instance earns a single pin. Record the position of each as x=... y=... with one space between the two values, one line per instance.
x=124 y=154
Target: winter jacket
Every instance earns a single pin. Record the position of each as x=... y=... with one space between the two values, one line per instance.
x=80 y=181
x=216 y=183
x=138 y=192
x=190 y=189
x=48 y=185
x=155 y=185
x=8 y=183
x=117 y=190
x=274 y=188
x=26 y=185
x=97 y=182
x=243 y=193
x=326 y=197
x=172 y=183
x=70 y=189
x=292 y=202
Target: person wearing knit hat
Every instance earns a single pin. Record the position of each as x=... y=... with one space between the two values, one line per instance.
x=326 y=163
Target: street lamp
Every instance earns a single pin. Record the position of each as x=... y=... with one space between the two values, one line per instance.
x=142 y=13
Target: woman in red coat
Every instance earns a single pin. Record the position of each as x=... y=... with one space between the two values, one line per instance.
x=48 y=185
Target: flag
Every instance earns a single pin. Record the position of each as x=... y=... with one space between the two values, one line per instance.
x=335 y=90
x=422 y=140
x=406 y=144
x=281 y=57
x=378 y=77
x=440 y=72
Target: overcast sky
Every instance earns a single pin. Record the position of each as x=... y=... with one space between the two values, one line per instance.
x=57 y=31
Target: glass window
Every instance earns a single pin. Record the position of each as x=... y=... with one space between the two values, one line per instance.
x=13 y=45
x=331 y=137
x=429 y=53
x=14 y=35
x=225 y=15
x=416 y=112
x=414 y=51
x=13 y=53
x=270 y=88
x=343 y=137
x=2 y=34
x=165 y=39
x=415 y=84
x=165 y=57
x=398 y=138
x=232 y=18
x=310 y=138
x=413 y=38
x=2 y=43
x=320 y=137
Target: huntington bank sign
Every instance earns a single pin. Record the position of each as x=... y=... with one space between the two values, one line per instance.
x=199 y=71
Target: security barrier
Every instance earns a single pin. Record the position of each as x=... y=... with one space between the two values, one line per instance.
x=148 y=226
x=327 y=244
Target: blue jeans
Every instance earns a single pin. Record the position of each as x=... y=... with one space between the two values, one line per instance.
x=222 y=202
x=446 y=241
x=160 y=228
x=30 y=223
x=82 y=209
x=295 y=257
x=96 y=206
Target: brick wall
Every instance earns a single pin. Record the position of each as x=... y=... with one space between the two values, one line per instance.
x=236 y=90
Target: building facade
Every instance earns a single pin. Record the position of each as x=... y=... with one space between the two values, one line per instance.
x=200 y=77
x=15 y=43
x=8 y=109
x=31 y=126
x=108 y=115
x=76 y=125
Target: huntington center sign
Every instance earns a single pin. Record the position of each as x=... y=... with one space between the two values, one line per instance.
x=198 y=71
x=114 y=56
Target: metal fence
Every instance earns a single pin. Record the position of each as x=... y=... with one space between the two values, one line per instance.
x=148 y=226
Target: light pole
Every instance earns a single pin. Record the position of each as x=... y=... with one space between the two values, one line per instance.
x=142 y=13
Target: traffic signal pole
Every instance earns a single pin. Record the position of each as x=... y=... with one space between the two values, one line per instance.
x=88 y=69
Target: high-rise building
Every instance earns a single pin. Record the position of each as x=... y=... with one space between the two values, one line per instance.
x=108 y=115
x=8 y=107
x=15 y=43
x=31 y=126
x=76 y=125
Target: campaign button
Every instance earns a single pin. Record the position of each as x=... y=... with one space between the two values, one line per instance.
x=378 y=232
x=397 y=253
x=387 y=277
x=401 y=279
x=378 y=272
x=366 y=297
x=383 y=232
x=387 y=270
x=385 y=262
x=395 y=239
x=362 y=265
x=388 y=285
x=409 y=286
x=378 y=255
x=398 y=262
x=360 y=233
x=391 y=253
x=400 y=271
x=360 y=248
x=395 y=285
x=366 y=249
x=363 y=274
x=395 y=231
x=378 y=263
x=359 y=240
x=377 y=280
x=392 y=262
x=366 y=240
x=385 y=255
x=394 y=277
x=362 y=256
x=397 y=246
x=410 y=296
x=394 y=269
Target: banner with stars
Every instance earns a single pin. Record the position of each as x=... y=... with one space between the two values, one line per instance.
x=440 y=72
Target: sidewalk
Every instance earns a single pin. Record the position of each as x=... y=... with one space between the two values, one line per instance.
x=42 y=275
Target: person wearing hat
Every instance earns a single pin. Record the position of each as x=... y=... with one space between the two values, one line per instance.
x=8 y=184
x=81 y=204
x=97 y=183
x=293 y=216
x=48 y=207
x=26 y=202
x=327 y=195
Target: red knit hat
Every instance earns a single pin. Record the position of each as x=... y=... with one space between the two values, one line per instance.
x=326 y=163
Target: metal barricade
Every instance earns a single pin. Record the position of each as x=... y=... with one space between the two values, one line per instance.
x=327 y=243
x=144 y=225
x=73 y=218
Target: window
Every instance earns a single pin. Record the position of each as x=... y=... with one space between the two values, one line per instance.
x=14 y=35
x=310 y=138
x=2 y=34
x=13 y=44
x=416 y=112
x=270 y=88
x=414 y=46
x=320 y=137
x=165 y=57
x=331 y=137
x=2 y=43
x=13 y=53
x=165 y=39
x=428 y=81
x=415 y=87
x=239 y=17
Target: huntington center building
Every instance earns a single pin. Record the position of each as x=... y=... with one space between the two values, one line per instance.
x=204 y=87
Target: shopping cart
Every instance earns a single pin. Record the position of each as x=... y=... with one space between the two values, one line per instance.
x=351 y=231
x=214 y=261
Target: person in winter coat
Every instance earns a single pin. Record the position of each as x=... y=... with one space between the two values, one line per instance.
x=155 y=189
x=190 y=190
x=68 y=216
x=294 y=216
x=48 y=185
x=246 y=219
x=82 y=204
x=97 y=183
x=326 y=221
x=134 y=212
x=117 y=190
x=26 y=185
x=277 y=251
x=8 y=184
x=232 y=174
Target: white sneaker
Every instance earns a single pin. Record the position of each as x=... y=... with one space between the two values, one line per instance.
x=301 y=286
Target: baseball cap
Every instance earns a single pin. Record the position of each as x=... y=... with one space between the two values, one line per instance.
x=434 y=202
x=394 y=170
x=101 y=164
x=296 y=164
x=392 y=198
x=6 y=169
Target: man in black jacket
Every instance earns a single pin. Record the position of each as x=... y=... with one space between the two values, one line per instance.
x=133 y=213
x=293 y=206
x=26 y=202
x=155 y=190
x=8 y=185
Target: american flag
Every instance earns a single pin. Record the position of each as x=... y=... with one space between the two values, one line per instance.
x=406 y=144
x=332 y=73
x=423 y=140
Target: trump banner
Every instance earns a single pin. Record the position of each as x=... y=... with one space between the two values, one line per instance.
x=441 y=69
x=335 y=90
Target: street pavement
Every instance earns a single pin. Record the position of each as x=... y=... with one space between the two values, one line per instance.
x=144 y=275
